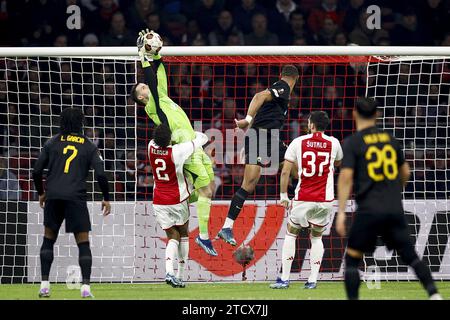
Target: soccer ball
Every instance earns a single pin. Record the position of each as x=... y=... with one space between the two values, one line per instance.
x=244 y=254
x=153 y=43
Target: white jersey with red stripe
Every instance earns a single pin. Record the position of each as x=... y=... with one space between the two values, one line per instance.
x=170 y=184
x=315 y=155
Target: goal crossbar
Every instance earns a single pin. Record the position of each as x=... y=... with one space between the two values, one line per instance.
x=227 y=50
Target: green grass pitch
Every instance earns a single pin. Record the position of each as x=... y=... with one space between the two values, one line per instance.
x=225 y=291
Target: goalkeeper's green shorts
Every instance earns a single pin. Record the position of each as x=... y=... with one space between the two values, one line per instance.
x=198 y=169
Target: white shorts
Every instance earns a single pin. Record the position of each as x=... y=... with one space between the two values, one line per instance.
x=305 y=214
x=168 y=216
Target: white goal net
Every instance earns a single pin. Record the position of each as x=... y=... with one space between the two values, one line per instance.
x=128 y=246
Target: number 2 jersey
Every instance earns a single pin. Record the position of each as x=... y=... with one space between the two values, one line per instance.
x=375 y=156
x=69 y=158
x=170 y=184
x=314 y=155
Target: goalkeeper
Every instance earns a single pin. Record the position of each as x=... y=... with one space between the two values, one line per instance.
x=153 y=94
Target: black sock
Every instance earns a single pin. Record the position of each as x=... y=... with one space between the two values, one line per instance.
x=352 y=277
x=46 y=255
x=85 y=261
x=236 y=203
x=424 y=275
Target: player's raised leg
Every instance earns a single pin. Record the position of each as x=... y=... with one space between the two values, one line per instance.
x=199 y=171
x=85 y=262
x=399 y=239
x=46 y=256
x=251 y=177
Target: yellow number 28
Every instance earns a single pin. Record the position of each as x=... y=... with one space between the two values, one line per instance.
x=386 y=158
x=69 y=159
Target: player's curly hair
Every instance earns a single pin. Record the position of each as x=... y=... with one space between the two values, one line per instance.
x=71 y=121
x=162 y=135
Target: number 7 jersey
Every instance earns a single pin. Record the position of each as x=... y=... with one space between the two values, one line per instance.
x=68 y=158
x=314 y=155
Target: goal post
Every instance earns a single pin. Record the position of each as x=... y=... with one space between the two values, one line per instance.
x=214 y=85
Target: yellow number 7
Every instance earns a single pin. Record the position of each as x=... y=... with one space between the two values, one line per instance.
x=69 y=159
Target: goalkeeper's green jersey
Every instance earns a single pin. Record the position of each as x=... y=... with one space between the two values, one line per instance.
x=161 y=106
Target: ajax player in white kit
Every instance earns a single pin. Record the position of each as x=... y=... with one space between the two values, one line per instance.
x=316 y=155
x=170 y=196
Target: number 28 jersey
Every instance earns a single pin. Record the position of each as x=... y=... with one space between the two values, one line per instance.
x=375 y=156
x=314 y=155
x=170 y=184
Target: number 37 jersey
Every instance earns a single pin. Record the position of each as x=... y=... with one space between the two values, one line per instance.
x=375 y=156
x=314 y=155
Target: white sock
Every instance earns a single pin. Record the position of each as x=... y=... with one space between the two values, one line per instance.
x=45 y=284
x=203 y=236
x=85 y=287
x=171 y=255
x=228 y=223
x=315 y=257
x=183 y=253
x=287 y=255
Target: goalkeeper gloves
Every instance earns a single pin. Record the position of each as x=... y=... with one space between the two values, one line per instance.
x=140 y=43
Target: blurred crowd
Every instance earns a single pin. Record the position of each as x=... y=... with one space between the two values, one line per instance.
x=230 y=22
x=414 y=95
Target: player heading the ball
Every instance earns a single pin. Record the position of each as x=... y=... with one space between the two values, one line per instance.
x=153 y=94
x=266 y=116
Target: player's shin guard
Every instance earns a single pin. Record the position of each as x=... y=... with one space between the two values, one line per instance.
x=171 y=255
x=351 y=277
x=46 y=256
x=203 y=210
x=235 y=207
x=85 y=261
x=410 y=257
x=315 y=259
x=287 y=255
x=183 y=253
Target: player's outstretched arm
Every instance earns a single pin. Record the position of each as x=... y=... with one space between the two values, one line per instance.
x=156 y=80
x=256 y=103
x=38 y=171
x=100 y=176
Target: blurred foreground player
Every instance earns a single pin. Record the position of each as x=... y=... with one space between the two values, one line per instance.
x=374 y=166
x=153 y=95
x=266 y=115
x=171 y=194
x=68 y=156
x=316 y=155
